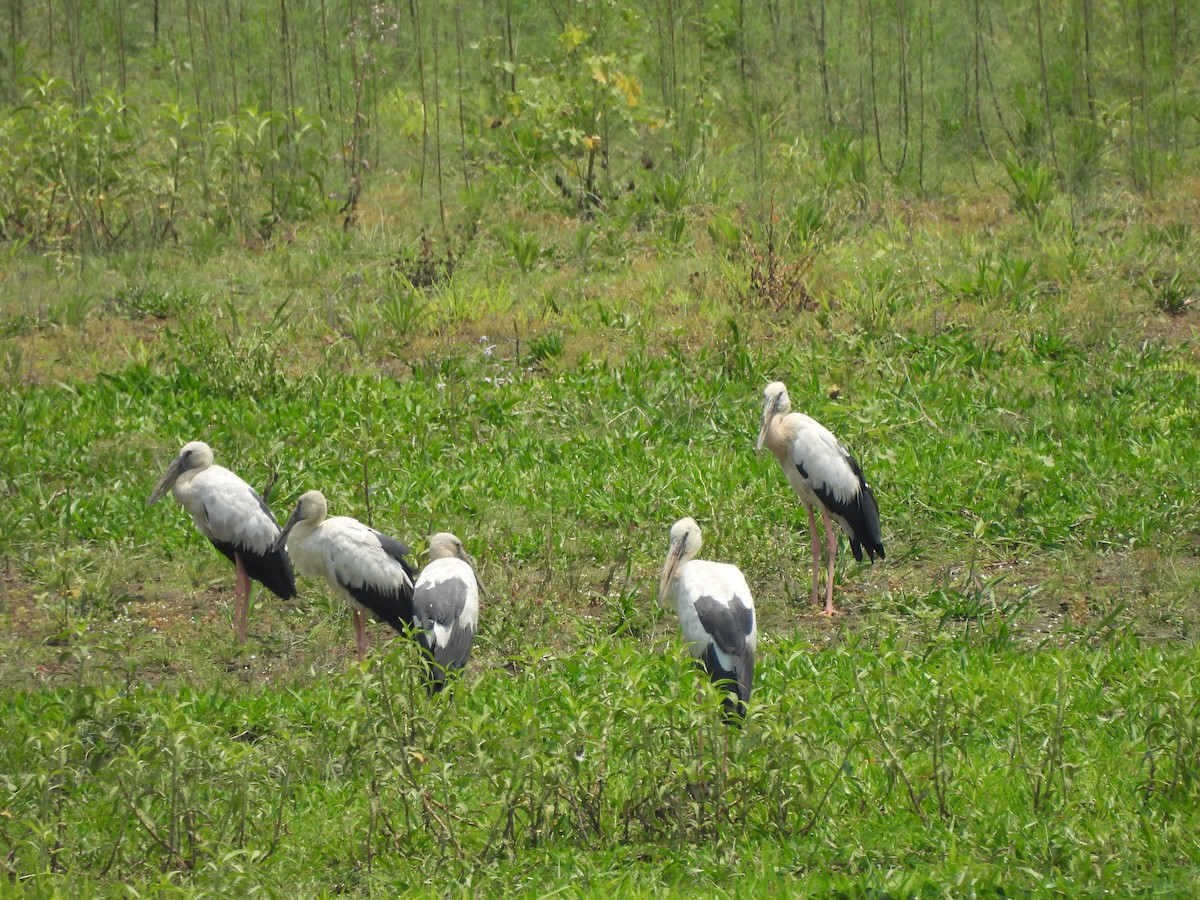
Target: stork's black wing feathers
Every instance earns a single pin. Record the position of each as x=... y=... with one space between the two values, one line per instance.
x=444 y=660
x=441 y=603
x=737 y=682
x=391 y=606
x=730 y=627
x=859 y=511
x=272 y=570
x=398 y=551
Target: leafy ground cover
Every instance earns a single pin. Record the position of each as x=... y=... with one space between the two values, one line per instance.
x=1007 y=704
x=556 y=362
x=949 y=764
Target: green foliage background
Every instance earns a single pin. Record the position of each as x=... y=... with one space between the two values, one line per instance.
x=520 y=270
x=150 y=122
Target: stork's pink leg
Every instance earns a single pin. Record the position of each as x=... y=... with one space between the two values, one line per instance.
x=360 y=634
x=831 y=539
x=815 y=546
x=241 y=598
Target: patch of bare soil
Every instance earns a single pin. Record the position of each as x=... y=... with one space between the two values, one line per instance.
x=151 y=633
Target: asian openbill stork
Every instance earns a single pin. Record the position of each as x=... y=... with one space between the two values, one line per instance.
x=368 y=570
x=446 y=608
x=234 y=517
x=825 y=475
x=716 y=614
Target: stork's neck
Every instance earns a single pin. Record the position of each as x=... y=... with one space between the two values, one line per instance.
x=306 y=528
x=778 y=438
x=182 y=488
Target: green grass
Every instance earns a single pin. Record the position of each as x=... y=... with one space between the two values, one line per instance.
x=968 y=763
x=1002 y=331
x=1038 y=444
x=987 y=717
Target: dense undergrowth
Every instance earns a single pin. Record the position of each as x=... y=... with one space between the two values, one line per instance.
x=941 y=766
x=944 y=745
x=521 y=271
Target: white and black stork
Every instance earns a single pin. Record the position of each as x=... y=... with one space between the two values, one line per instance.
x=716 y=614
x=234 y=517
x=366 y=569
x=446 y=608
x=825 y=475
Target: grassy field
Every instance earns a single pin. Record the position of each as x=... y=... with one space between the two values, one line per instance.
x=1008 y=705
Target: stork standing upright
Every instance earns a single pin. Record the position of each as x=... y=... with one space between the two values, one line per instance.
x=234 y=517
x=366 y=569
x=446 y=607
x=825 y=475
x=716 y=614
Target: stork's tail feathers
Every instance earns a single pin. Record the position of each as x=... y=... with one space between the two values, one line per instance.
x=738 y=682
x=278 y=576
x=435 y=677
x=396 y=620
x=865 y=527
x=874 y=549
x=735 y=713
x=435 y=673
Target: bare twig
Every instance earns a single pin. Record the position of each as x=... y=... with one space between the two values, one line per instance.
x=893 y=759
x=149 y=826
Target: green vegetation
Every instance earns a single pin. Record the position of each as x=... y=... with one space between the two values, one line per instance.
x=874 y=761
x=520 y=271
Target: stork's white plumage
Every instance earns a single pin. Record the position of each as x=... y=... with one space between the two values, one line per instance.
x=446 y=607
x=366 y=569
x=825 y=475
x=234 y=517
x=716 y=613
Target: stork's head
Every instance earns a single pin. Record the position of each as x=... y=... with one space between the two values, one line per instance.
x=684 y=544
x=444 y=545
x=311 y=509
x=194 y=456
x=775 y=404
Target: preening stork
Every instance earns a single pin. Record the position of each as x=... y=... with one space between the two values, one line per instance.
x=366 y=569
x=825 y=475
x=716 y=614
x=234 y=517
x=446 y=607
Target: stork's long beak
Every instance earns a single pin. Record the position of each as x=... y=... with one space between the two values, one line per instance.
x=281 y=541
x=768 y=415
x=762 y=434
x=668 y=569
x=174 y=470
